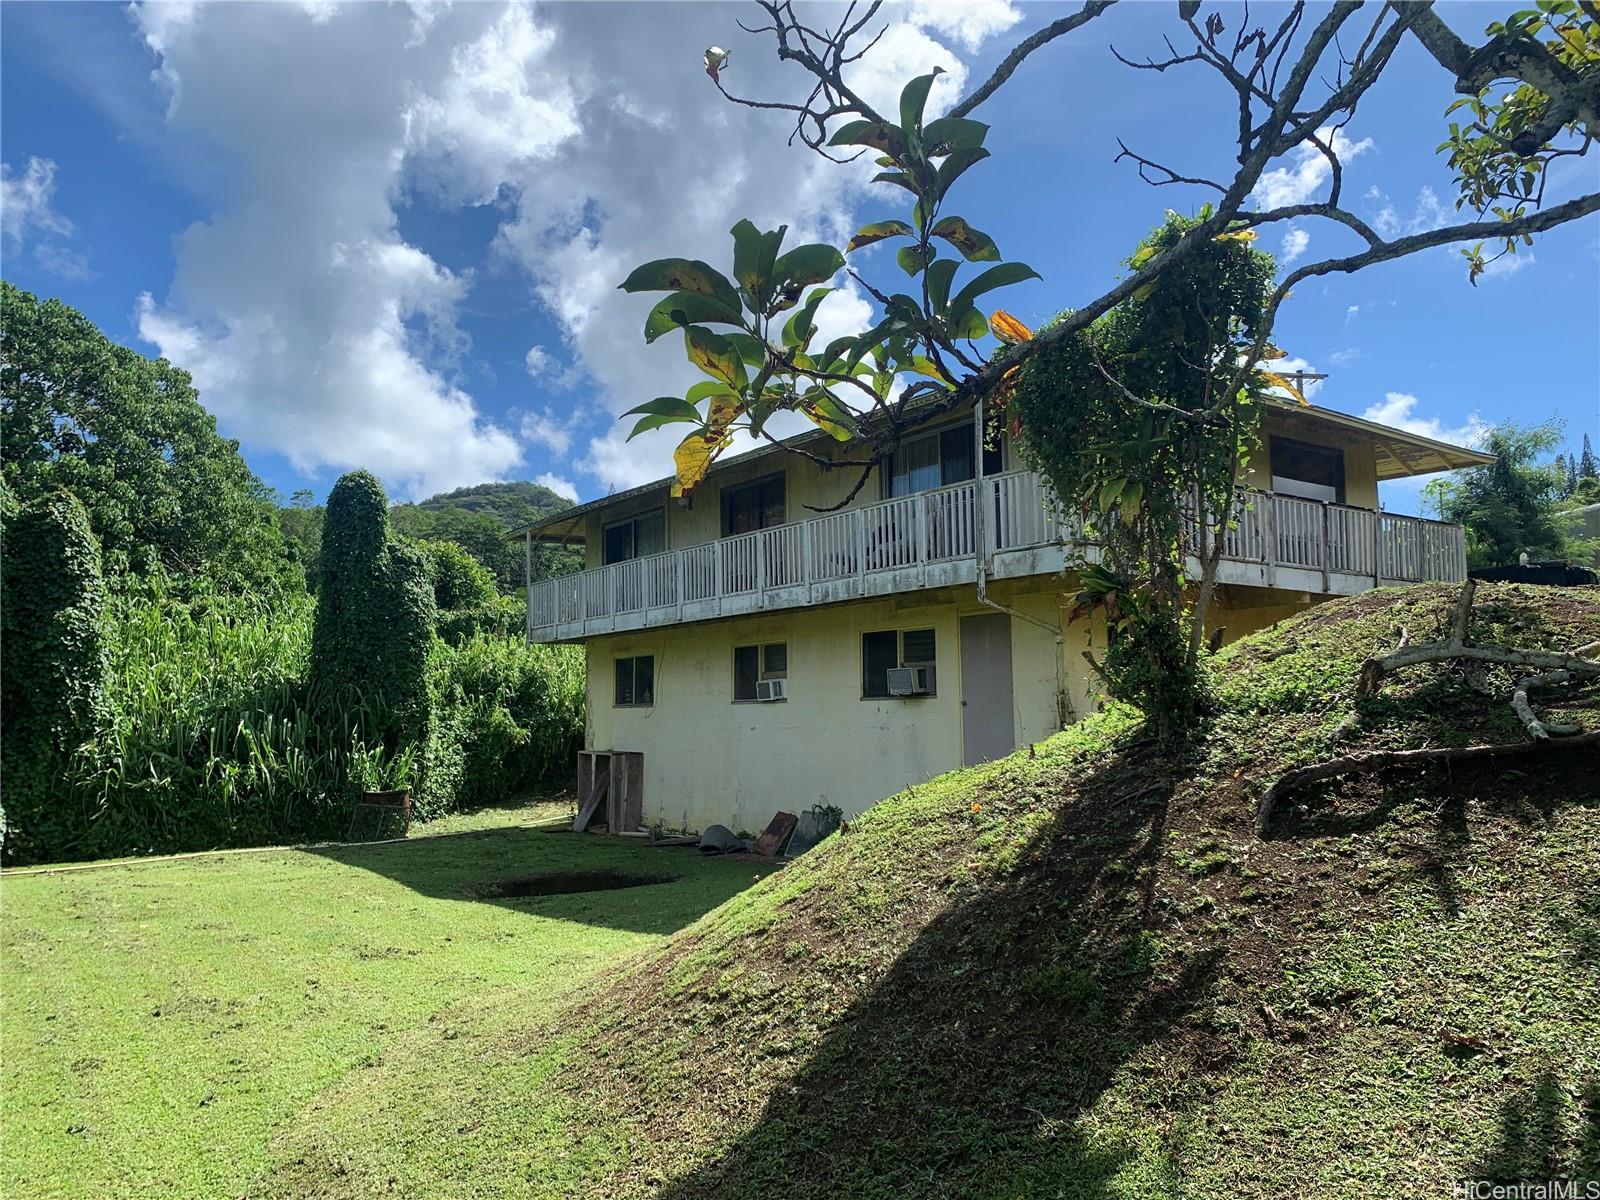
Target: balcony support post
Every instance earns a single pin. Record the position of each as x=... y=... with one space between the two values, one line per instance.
x=1269 y=538
x=761 y=569
x=1326 y=582
x=860 y=534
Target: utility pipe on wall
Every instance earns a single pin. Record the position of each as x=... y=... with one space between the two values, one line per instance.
x=980 y=508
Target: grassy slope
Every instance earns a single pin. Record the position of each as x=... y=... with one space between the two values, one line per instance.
x=163 y=1020
x=1077 y=973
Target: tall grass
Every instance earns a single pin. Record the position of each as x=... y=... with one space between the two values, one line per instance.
x=215 y=738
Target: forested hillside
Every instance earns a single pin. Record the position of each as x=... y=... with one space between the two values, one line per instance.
x=478 y=518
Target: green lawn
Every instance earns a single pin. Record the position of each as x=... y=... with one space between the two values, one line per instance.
x=163 y=1022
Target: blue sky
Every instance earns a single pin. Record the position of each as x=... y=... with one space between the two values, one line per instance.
x=391 y=237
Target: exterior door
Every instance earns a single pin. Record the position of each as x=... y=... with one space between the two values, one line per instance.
x=986 y=709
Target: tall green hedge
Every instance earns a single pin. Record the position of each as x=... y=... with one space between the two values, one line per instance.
x=375 y=610
x=52 y=664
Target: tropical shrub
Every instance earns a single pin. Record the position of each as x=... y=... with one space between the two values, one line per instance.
x=52 y=662
x=215 y=734
x=459 y=579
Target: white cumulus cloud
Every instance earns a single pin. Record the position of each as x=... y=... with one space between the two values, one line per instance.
x=1307 y=170
x=971 y=23
x=317 y=329
x=1295 y=242
x=547 y=429
x=28 y=215
x=1398 y=409
x=557 y=484
x=312 y=327
x=27 y=201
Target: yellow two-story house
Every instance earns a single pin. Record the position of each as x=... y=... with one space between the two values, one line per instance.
x=763 y=655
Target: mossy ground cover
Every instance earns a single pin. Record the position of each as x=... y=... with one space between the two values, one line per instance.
x=165 y=1021
x=1077 y=973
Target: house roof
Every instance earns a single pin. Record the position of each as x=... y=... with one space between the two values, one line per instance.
x=1399 y=454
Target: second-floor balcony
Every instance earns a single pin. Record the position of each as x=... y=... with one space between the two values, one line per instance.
x=932 y=540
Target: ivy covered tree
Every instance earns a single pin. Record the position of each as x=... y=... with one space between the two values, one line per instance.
x=53 y=664
x=375 y=611
x=1128 y=422
x=128 y=437
x=1533 y=88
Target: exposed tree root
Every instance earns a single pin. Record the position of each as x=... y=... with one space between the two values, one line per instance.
x=1378 y=760
x=1549 y=668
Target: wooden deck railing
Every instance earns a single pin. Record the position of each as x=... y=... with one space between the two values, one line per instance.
x=901 y=544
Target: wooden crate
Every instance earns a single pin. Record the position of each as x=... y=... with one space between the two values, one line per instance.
x=610 y=787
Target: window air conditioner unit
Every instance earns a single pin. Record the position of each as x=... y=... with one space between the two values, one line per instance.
x=772 y=689
x=910 y=681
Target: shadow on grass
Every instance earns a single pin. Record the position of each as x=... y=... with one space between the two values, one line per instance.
x=1437 y=833
x=1544 y=1135
x=465 y=866
x=974 y=1081
x=970 y=1080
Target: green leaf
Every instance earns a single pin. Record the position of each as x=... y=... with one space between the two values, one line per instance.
x=681 y=275
x=953 y=167
x=966 y=322
x=880 y=135
x=919 y=364
x=828 y=415
x=1109 y=491
x=754 y=254
x=1002 y=275
x=663 y=410
x=899 y=178
x=940 y=273
x=949 y=134
x=668 y=406
x=913 y=258
x=688 y=308
x=974 y=244
x=913 y=99
x=1129 y=502
x=836 y=351
x=715 y=355
x=877 y=232
x=707 y=389
x=1143 y=255
x=805 y=265
x=751 y=350
x=872 y=340
x=797 y=330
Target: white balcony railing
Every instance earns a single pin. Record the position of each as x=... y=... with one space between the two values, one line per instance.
x=931 y=540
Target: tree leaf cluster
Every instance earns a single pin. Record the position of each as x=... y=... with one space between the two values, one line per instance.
x=752 y=335
x=127 y=436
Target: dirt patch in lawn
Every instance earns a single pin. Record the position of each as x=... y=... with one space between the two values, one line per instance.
x=563 y=883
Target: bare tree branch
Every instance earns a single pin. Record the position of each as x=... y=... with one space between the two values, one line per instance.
x=1027 y=46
